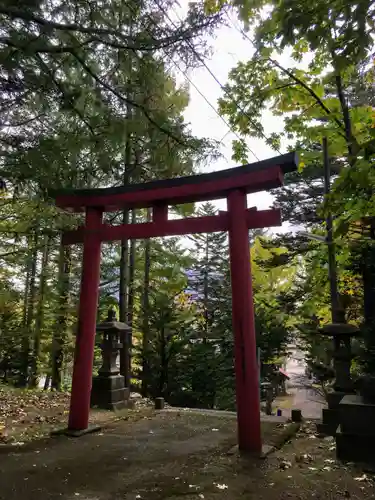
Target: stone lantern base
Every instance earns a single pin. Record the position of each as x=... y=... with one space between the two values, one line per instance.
x=355 y=436
x=341 y=334
x=109 y=392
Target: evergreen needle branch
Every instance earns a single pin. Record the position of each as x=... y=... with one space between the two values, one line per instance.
x=182 y=34
x=126 y=100
x=174 y=63
x=62 y=91
x=223 y=88
x=61 y=49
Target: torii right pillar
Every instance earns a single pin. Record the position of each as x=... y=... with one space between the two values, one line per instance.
x=246 y=366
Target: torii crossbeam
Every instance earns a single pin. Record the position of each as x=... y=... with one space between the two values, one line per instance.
x=233 y=184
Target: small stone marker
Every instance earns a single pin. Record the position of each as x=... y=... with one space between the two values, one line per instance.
x=159 y=403
x=296 y=416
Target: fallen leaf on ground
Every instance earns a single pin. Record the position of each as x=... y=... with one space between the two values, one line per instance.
x=285 y=464
x=221 y=486
x=361 y=478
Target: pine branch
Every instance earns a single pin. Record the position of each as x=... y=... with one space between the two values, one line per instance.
x=180 y=35
x=126 y=100
x=61 y=89
x=24 y=122
x=65 y=49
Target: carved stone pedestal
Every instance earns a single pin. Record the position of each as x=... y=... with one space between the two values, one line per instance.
x=109 y=392
x=343 y=385
x=355 y=436
x=108 y=388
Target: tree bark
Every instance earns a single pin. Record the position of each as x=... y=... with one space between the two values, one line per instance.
x=59 y=334
x=123 y=296
x=124 y=259
x=124 y=268
x=368 y=277
x=350 y=141
x=29 y=311
x=146 y=311
x=47 y=382
x=128 y=350
x=124 y=274
x=39 y=317
x=205 y=292
x=163 y=363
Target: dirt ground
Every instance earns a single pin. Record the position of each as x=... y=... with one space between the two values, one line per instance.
x=175 y=455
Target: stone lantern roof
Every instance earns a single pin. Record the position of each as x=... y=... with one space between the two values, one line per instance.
x=111 y=325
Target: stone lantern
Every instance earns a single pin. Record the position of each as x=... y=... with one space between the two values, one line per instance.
x=108 y=388
x=341 y=334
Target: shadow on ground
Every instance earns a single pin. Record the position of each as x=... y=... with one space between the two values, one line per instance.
x=172 y=456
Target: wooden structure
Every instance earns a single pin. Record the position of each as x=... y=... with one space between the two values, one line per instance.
x=234 y=185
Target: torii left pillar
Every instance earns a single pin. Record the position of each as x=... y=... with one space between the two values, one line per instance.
x=246 y=363
x=85 y=343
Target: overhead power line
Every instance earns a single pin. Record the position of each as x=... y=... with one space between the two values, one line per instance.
x=199 y=57
x=230 y=128
x=186 y=76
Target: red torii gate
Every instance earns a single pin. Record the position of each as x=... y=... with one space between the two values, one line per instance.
x=233 y=184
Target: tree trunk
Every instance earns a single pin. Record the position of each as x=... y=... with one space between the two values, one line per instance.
x=59 y=334
x=132 y=258
x=163 y=363
x=39 y=317
x=124 y=259
x=123 y=298
x=205 y=292
x=25 y=340
x=47 y=382
x=146 y=311
x=124 y=269
x=29 y=312
x=368 y=277
x=350 y=141
x=124 y=274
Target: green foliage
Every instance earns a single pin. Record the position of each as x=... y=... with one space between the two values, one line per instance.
x=324 y=90
x=89 y=100
x=78 y=86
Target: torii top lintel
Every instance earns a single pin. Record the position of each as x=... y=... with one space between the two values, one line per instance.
x=254 y=177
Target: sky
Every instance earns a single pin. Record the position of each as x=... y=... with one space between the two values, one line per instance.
x=229 y=46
